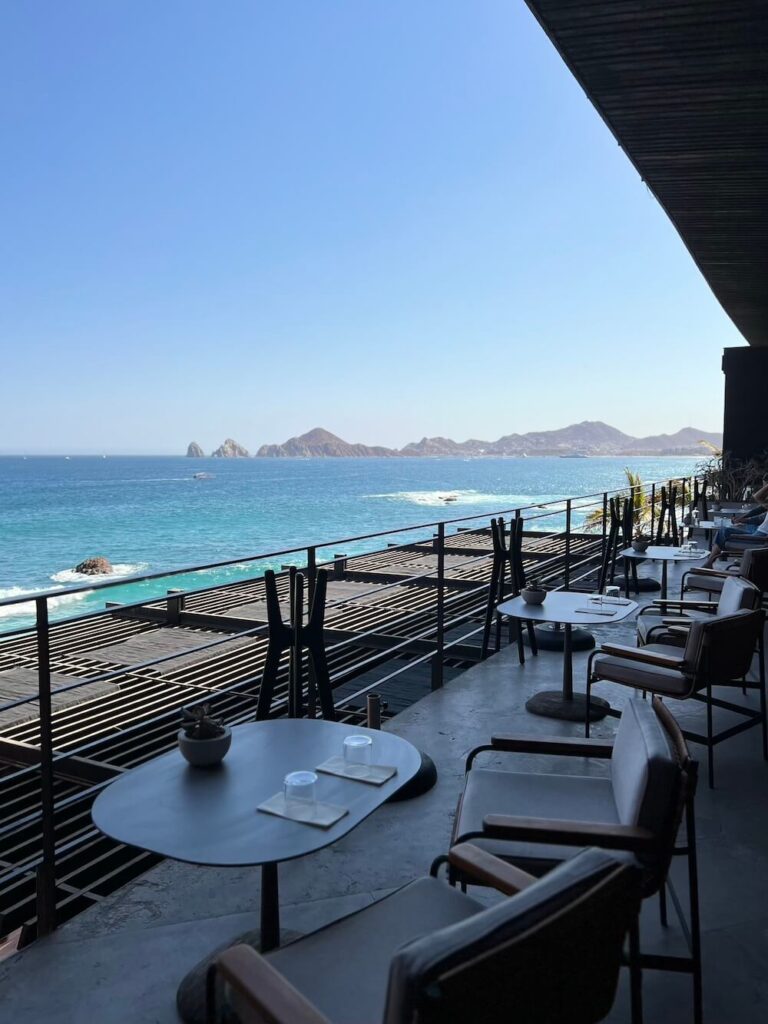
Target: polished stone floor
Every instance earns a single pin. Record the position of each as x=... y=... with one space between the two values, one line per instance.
x=120 y=961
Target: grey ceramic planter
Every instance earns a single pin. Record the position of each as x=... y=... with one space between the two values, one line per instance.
x=204 y=753
x=533 y=596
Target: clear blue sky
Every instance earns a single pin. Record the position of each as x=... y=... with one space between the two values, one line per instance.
x=388 y=218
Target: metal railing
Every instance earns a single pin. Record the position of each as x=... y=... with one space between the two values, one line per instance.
x=429 y=616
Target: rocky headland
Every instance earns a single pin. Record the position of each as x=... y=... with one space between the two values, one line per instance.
x=231 y=450
x=194 y=451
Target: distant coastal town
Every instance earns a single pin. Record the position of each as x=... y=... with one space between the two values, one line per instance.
x=589 y=438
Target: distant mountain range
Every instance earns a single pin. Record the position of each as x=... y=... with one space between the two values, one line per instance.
x=587 y=438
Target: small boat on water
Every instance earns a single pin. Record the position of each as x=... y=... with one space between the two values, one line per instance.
x=447 y=498
x=203 y=476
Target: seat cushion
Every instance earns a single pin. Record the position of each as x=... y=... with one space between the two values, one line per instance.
x=490 y=791
x=648 y=677
x=711 y=584
x=344 y=968
x=644 y=770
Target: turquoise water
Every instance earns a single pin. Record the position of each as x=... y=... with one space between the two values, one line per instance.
x=148 y=514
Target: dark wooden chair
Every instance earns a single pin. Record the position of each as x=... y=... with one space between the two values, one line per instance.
x=666 y=621
x=429 y=954
x=718 y=652
x=537 y=819
x=752 y=566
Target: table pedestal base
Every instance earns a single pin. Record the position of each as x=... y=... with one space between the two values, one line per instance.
x=645 y=584
x=552 y=704
x=550 y=638
x=191 y=993
x=424 y=779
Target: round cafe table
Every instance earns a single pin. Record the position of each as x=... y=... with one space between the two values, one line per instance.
x=569 y=609
x=658 y=553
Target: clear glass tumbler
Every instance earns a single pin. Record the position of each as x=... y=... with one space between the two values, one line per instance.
x=357 y=750
x=299 y=789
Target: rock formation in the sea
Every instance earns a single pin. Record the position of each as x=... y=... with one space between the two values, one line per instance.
x=194 y=451
x=96 y=566
x=231 y=450
x=319 y=443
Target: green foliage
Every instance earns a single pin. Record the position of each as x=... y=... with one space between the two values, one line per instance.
x=731 y=479
x=198 y=724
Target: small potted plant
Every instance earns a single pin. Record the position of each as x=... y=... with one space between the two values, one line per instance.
x=534 y=592
x=640 y=541
x=203 y=740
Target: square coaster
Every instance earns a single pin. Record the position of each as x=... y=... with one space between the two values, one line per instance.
x=373 y=774
x=318 y=814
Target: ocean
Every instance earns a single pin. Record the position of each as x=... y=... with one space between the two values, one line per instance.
x=149 y=514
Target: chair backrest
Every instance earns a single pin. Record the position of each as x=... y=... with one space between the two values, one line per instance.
x=737 y=593
x=549 y=954
x=720 y=650
x=652 y=776
x=754 y=567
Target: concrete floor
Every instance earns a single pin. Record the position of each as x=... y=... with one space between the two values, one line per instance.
x=121 y=961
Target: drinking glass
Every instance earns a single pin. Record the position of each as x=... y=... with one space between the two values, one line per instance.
x=357 y=750
x=612 y=594
x=299 y=789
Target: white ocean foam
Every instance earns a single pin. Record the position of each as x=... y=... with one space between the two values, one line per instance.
x=67 y=577
x=466 y=497
x=28 y=607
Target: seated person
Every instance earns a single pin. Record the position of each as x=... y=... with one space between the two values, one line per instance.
x=755 y=521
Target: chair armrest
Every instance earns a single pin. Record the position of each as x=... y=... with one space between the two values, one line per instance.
x=483 y=866
x=709 y=572
x=264 y=989
x=676 y=621
x=574 y=747
x=570 y=833
x=641 y=654
x=698 y=605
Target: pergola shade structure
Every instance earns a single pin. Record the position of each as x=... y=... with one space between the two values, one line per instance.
x=683 y=86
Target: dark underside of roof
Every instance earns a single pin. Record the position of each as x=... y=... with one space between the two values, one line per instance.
x=683 y=85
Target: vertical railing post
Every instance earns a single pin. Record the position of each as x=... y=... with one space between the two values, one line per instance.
x=653 y=509
x=296 y=669
x=567 y=573
x=311 y=573
x=604 y=545
x=437 y=660
x=46 y=873
x=174 y=607
x=373 y=711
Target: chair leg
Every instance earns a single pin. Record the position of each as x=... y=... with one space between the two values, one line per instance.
x=663 y=904
x=587 y=708
x=763 y=709
x=520 y=644
x=635 y=973
x=693 y=891
x=532 y=639
x=710 y=742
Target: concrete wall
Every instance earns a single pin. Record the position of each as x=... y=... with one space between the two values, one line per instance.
x=745 y=421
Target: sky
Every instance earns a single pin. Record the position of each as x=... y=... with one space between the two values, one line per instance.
x=387 y=219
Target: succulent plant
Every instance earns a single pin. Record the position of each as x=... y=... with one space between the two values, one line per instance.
x=535 y=584
x=198 y=724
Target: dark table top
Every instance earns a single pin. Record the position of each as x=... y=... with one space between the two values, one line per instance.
x=209 y=816
x=563 y=606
